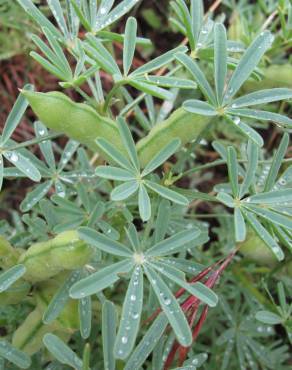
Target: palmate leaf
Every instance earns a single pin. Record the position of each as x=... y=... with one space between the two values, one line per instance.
x=14 y=116
x=56 y=62
x=95 y=49
x=187 y=22
x=58 y=14
x=101 y=279
x=170 y=307
x=147 y=343
x=67 y=154
x=197 y=12
x=103 y=243
x=85 y=316
x=246 y=130
x=144 y=203
x=62 y=352
x=133 y=237
x=270 y=215
x=124 y=191
x=167 y=193
x=1 y=171
x=252 y=156
x=198 y=76
x=143 y=85
x=114 y=173
x=198 y=290
x=162 y=220
x=262 y=116
x=128 y=142
x=22 y=163
x=9 y=277
x=33 y=197
x=262 y=97
x=247 y=63
x=273 y=197
x=174 y=243
x=129 y=44
x=131 y=314
x=161 y=156
x=37 y=15
x=220 y=60
x=175 y=82
x=113 y=153
x=263 y=234
x=268 y=317
x=277 y=162
x=239 y=225
x=14 y=355
x=60 y=299
x=158 y=62
x=109 y=324
x=117 y=12
x=199 y=107
x=233 y=170
x=45 y=146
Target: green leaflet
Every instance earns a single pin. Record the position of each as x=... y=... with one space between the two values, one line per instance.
x=61 y=351
x=9 y=277
x=13 y=355
x=65 y=252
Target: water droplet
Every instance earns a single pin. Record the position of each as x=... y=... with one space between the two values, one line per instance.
x=133 y=298
x=236 y=120
x=124 y=340
x=14 y=157
x=167 y=301
x=102 y=11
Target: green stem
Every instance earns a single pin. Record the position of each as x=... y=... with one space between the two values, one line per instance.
x=32 y=142
x=111 y=94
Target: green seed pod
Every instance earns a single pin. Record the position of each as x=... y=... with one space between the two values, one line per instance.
x=181 y=124
x=80 y=122
x=77 y=120
x=15 y=294
x=29 y=335
x=274 y=76
x=254 y=249
x=236 y=29
x=46 y=259
x=8 y=254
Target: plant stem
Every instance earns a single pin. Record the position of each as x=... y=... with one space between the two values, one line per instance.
x=32 y=142
x=111 y=94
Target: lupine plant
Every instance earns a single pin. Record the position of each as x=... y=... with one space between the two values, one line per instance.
x=121 y=255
